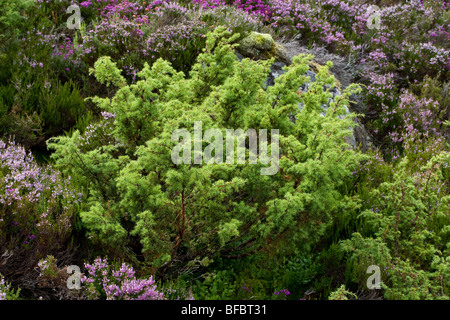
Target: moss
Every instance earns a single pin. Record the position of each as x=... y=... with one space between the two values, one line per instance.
x=258 y=41
x=261 y=46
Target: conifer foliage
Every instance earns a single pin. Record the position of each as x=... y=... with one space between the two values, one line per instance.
x=142 y=203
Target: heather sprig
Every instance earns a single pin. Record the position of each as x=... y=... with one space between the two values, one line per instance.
x=105 y=281
x=47 y=267
x=281 y=294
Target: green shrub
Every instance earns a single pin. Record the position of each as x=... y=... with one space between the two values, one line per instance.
x=409 y=221
x=174 y=214
x=341 y=294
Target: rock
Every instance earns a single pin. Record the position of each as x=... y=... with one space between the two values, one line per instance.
x=239 y=56
x=362 y=137
x=311 y=75
x=276 y=70
x=256 y=41
x=340 y=65
x=261 y=46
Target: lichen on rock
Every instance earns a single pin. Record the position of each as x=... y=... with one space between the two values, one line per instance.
x=261 y=46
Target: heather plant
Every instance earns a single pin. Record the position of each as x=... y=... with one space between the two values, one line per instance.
x=281 y=294
x=407 y=49
x=47 y=267
x=415 y=61
x=50 y=276
x=259 y=7
x=37 y=204
x=35 y=102
x=236 y=20
x=160 y=29
x=433 y=89
x=112 y=37
x=338 y=25
x=40 y=109
x=412 y=42
x=420 y=122
x=406 y=124
x=252 y=7
x=135 y=188
x=53 y=281
x=180 y=44
x=104 y=281
x=125 y=29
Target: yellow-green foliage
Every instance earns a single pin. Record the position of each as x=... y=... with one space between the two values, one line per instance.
x=341 y=294
x=189 y=212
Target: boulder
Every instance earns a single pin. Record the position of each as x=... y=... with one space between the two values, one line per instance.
x=261 y=46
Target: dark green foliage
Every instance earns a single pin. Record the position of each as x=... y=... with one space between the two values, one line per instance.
x=46 y=109
x=409 y=216
x=12 y=18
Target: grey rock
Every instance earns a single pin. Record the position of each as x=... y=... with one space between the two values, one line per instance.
x=276 y=70
x=239 y=56
x=311 y=75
